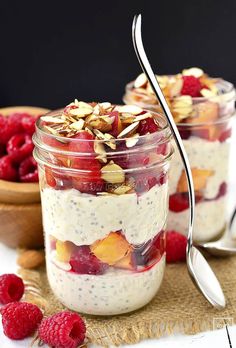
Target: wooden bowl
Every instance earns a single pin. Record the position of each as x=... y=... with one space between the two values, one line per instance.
x=20 y=208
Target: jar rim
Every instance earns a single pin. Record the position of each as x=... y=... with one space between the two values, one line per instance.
x=162 y=136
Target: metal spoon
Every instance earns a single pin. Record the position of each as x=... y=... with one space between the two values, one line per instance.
x=226 y=245
x=199 y=269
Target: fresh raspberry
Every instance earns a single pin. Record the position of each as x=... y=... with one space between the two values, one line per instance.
x=15 y=120
x=191 y=86
x=28 y=170
x=63 y=330
x=20 y=319
x=84 y=262
x=11 y=288
x=6 y=131
x=19 y=147
x=2 y=150
x=147 y=126
x=28 y=124
x=180 y=201
x=175 y=247
x=7 y=169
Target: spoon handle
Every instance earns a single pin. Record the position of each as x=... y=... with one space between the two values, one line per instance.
x=146 y=67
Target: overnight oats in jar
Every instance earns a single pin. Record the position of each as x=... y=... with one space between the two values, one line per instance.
x=104 y=188
x=203 y=108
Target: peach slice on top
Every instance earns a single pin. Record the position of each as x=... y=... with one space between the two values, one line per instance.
x=64 y=250
x=200 y=177
x=112 y=248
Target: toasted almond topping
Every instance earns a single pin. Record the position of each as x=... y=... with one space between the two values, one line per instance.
x=122 y=189
x=79 y=125
x=81 y=112
x=207 y=93
x=132 y=141
x=100 y=150
x=105 y=105
x=130 y=109
x=143 y=117
x=196 y=72
x=51 y=130
x=51 y=119
x=113 y=173
x=128 y=130
x=101 y=125
x=140 y=81
x=88 y=130
x=176 y=87
x=107 y=118
x=84 y=105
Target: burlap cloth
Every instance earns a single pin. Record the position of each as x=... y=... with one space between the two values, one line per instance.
x=178 y=307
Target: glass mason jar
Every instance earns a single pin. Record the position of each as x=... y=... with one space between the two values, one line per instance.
x=104 y=225
x=206 y=138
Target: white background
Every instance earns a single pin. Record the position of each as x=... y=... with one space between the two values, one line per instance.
x=216 y=339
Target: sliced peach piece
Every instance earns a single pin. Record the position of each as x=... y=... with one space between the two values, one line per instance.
x=205 y=112
x=112 y=248
x=200 y=177
x=64 y=250
x=126 y=262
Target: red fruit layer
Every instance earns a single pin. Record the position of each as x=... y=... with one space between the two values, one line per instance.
x=147 y=126
x=150 y=253
x=179 y=202
x=84 y=262
x=205 y=133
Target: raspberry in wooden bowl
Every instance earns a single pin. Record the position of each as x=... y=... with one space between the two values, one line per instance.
x=20 y=208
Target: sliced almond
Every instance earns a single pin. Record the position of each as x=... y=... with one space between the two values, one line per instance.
x=51 y=130
x=143 y=116
x=84 y=105
x=105 y=105
x=196 y=72
x=51 y=119
x=113 y=173
x=100 y=150
x=88 y=130
x=128 y=130
x=79 y=125
x=140 y=81
x=130 y=109
x=122 y=189
x=132 y=141
x=101 y=125
x=207 y=93
x=76 y=102
x=81 y=112
x=175 y=88
x=108 y=119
